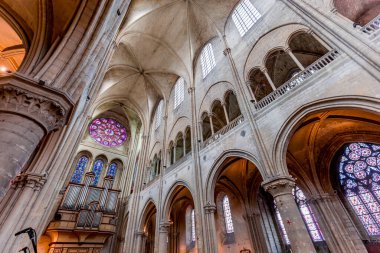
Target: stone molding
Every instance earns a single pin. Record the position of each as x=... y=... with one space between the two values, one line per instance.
x=279 y=186
x=31 y=180
x=165 y=227
x=210 y=208
x=19 y=95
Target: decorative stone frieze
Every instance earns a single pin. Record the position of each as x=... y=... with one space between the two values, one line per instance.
x=31 y=180
x=22 y=96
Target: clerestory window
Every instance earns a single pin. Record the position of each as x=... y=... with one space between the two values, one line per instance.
x=245 y=16
x=207 y=60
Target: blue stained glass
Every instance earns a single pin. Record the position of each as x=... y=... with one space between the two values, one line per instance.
x=79 y=170
x=112 y=170
x=358 y=180
x=97 y=169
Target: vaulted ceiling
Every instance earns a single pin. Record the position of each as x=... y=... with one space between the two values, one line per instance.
x=159 y=41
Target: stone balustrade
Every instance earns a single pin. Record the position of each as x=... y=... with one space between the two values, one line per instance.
x=372 y=27
x=298 y=79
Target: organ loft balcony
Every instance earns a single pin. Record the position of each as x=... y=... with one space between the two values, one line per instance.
x=86 y=216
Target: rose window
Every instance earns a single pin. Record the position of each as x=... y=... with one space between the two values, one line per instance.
x=108 y=132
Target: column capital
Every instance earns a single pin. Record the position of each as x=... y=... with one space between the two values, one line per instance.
x=49 y=107
x=30 y=180
x=249 y=83
x=264 y=70
x=279 y=185
x=139 y=233
x=165 y=117
x=165 y=226
x=210 y=208
x=227 y=51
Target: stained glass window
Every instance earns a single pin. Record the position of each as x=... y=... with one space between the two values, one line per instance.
x=227 y=215
x=97 y=169
x=112 y=170
x=159 y=114
x=281 y=225
x=245 y=16
x=79 y=170
x=193 y=226
x=359 y=174
x=179 y=92
x=308 y=216
x=108 y=132
x=207 y=60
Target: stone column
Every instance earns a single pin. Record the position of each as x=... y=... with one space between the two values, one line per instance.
x=174 y=153
x=184 y=144
x=256 y=231
x=337 y=227
x=226 y=113
x=211 y=124
x=249 y=84
x=316 y=37
x=281 y=190
x=163 y=237
x=28 y=111
x=139 y=241
x=210 y=230
x=265 y=71
x=201 y=130
x=290 y=53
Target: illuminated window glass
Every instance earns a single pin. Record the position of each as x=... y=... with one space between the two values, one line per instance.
x=79 y=170
x=112 y=170
x=308 y=216
x=108 y=132
x=359 y=174
x=207 y=60
x=227 y=215
x=179 y=92
x=193 y=236
x=97 y=169
x=245 y=16
x=159 y=114
x=281 y=225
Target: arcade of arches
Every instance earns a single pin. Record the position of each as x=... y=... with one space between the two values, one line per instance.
x=192 y=126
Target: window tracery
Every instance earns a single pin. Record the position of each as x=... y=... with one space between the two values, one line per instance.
x=108 y=132
x=207 y=60
x=245 y=16
x=227 y=215
x=179 y=92
x=112 y=169
x=193 y=234
x=79 y=170
x=159 y=114
x=359 y=175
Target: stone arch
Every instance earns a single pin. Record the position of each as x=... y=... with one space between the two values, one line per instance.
x=360 y=12
x=75 y=163
x=294 y=121
x=149 y=206
x=170 y=195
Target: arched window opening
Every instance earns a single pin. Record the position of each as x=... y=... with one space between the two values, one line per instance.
x=308 y=216
x=187 y=140
x=112 y=169
x=207 y=60
x=206 y=126
x=171 y=153
x=280 y=67
x=193 y=233
x=79 y=170
x=179 y=92
x=219 y=117
x=360 y=12
x=359 y=175
x=259 y=84
x=97 y=170
x=227 y=215
x=158 y=117
x=179 y=148
x=306 y=48
x=232 y=106
x=245 y=16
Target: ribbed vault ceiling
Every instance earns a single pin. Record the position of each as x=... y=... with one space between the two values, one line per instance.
x=160 y=41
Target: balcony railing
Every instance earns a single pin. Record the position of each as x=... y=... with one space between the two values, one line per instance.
x=372 y=26
x=223 y=131
x=299 y=79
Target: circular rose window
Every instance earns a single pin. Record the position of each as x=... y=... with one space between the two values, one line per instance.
x=108 y=132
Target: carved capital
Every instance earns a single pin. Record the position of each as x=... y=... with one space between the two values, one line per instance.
x=227 y=51
x=50 y=108
x=31 y=180
x=279 y=185
x=165 y=227
x=210 y=208
x=264 y=70
x=190 y=90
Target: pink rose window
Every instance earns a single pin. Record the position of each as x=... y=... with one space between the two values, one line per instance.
x=108 y=132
